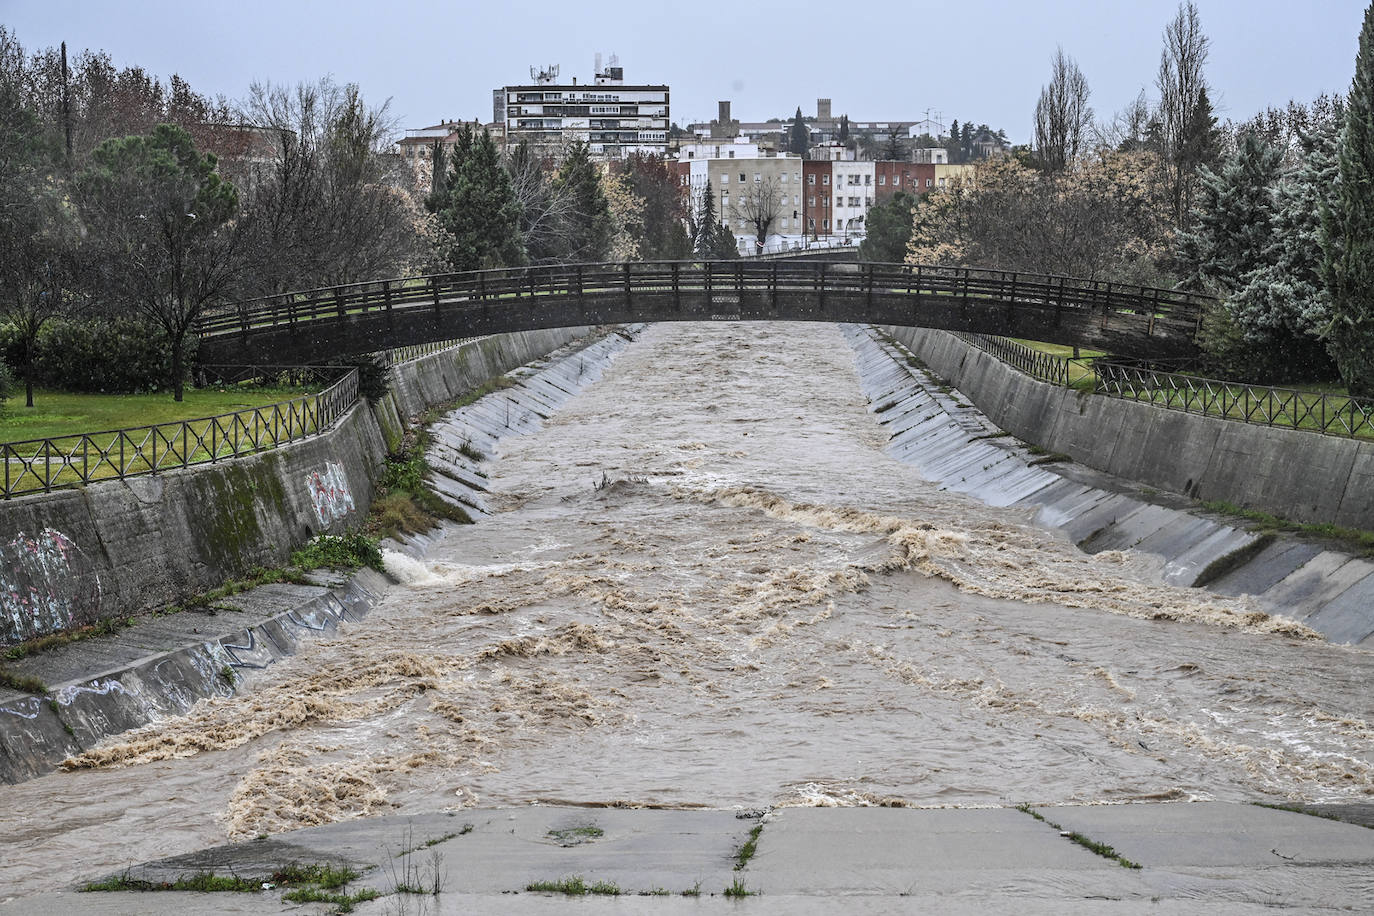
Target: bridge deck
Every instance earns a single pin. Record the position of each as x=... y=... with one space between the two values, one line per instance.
x=322 y=324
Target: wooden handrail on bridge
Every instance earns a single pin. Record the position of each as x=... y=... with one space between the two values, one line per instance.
x=1166 y=310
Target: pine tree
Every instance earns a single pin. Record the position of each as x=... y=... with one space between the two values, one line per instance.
x=588 y=219
x=1285 y=300
x=1231 y=222
x=710 y=239
x=799 y=137
x=1348 y=231
x=478 y=212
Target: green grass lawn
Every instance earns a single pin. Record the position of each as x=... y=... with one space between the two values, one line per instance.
x=1080 y=374
x=77 y=438
x=60 y=413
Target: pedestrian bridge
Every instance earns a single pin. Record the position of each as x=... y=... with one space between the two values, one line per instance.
x=317 y=326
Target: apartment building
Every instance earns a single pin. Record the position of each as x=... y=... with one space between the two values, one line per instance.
x=612 y=117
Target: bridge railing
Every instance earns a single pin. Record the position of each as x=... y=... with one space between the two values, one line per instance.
x=1164 y=309
x=41 y=465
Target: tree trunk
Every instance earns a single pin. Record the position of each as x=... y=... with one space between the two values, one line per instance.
x=28 y=388
x=178 y=368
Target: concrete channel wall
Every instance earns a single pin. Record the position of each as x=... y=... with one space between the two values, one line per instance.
x=1301 y=476
x=960 y=447
x=74 y=557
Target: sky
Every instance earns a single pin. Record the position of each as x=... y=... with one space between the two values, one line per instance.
x=978 y=60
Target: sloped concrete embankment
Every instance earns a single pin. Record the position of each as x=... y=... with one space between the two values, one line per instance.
x=954 y=444
x=163 y=665
x=119 y=548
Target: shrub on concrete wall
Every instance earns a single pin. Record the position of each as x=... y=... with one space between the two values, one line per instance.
x=120 y=355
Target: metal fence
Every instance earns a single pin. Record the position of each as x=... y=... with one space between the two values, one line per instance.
x=1057 y=370
x=1329 y=414
x=41 y=465
x=1263 y=405
x=398 y=355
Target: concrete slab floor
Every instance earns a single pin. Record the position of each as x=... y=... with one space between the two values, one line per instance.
x=1202 y=857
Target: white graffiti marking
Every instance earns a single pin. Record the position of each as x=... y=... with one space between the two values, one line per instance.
x=329 y=493
x=41 y=584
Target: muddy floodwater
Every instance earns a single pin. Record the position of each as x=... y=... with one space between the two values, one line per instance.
x=708 y=585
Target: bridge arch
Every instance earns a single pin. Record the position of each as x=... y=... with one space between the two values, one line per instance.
x=319 y=325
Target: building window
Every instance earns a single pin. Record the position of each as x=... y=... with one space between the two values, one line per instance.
x=928 y=182
x=811 y=201
x=741 y=178
x=811 y=179
x=896 y=180
x=825 y=224
x=868 y=179
x=882 y=179
x=757 y=178
x=784 y=178
x=825 y=201
x=732 y=154
x=725 y=179
x=825 y=179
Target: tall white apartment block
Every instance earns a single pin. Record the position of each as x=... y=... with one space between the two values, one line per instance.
x=613 y=118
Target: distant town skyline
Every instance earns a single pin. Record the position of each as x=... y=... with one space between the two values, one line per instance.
x=980 y=60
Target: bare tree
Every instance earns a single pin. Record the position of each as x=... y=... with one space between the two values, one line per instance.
x=1062 y=116
x=328 y=206
x=1128 y=130
x=759 y=204
x=1182 y=89
x=545 y=210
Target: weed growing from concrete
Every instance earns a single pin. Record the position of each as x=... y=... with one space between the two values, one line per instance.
x=23 y=682
x=465 y=448
x=1355 y=539
x=751 y=846
x=339 y=551
x=1101 y=849
x=53 y=640
x=736 y=889
x=342 y=903
x=693 y=891
x=575 y=886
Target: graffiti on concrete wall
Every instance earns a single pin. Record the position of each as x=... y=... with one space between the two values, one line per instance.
x=46 y=584
x=329 y=493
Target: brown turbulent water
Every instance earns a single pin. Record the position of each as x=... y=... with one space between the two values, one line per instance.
x=708 y=585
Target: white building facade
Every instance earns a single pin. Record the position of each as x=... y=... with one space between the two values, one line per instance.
x=613 y=118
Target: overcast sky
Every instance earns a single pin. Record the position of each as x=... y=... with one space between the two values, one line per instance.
x=979 y=60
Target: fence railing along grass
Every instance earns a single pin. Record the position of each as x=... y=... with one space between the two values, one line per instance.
x=55 y=462
x=1328 y=413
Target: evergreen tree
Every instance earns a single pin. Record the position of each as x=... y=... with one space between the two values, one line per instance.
x=1231 y=222
x=844 y=128
x=712 y=241
x=588 y=217
x=478 y=212
x=1284 y=305
x=1348 y=230
x=799 y=136
x=889 y=230
x=438 y=166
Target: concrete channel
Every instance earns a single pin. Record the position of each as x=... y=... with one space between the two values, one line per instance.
x=951 y=441
x=161 y=666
